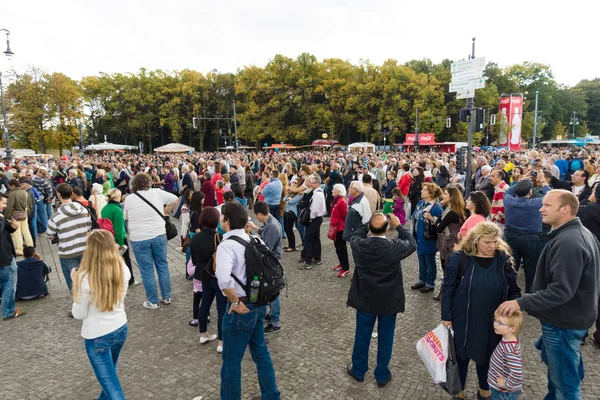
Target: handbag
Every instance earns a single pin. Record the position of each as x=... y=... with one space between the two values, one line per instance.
x=452 y=385
x=332 y=232
x=169 y=226
x=429 y=229
x=19 y=215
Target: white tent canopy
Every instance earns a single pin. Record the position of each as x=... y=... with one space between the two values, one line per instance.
x=361 y=145
x=108 y=147
x=174 y=148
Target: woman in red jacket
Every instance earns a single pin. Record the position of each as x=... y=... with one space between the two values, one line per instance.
x=339 y=210
x=208 y=188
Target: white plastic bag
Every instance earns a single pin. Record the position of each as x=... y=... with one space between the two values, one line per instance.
x=433 y=350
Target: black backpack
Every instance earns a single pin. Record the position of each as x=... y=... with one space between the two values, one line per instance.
x=261 y=262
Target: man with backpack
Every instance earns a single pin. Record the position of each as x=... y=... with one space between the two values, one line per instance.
x=70 y=224
x=243 y=322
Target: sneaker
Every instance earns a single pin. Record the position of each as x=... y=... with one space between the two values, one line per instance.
x=343 y=273
x=268 y=317
x=306 y=265
x=338 y=268
x=206 y=339
x=16 y=314
x=219 y=349
x=135 y=283
x=271 y=329
x=150 y=306
x=302 y=260
x=122 y=250
x=318 y=262
x=194 y=322
x=417 y=286
x=427 y=289
x=166 y=301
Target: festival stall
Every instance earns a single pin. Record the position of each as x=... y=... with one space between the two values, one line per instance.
x=362 y=146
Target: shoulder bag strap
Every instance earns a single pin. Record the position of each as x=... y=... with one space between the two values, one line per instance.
x=150 y=204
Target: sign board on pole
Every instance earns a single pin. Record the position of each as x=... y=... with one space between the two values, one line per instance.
x=467 y=75
x=474 y=63
x=467 y=85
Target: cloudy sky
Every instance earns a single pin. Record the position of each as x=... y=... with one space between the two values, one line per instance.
x=84 y=37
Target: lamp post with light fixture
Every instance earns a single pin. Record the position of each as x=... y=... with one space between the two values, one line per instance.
x=8 y=53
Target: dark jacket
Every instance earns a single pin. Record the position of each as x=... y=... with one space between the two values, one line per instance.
x=377 y=286
x=456 y=294
x=7 y=250
x=584 y=195
x=566 y=286
x=202 y=249
x=30 y=282
x=590 y=218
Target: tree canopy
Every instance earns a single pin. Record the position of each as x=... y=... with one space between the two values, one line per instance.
x=287 y=100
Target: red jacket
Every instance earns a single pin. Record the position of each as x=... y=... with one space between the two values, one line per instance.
x=339 y=210
x=404 y=183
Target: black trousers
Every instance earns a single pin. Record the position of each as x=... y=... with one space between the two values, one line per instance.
x=289 y=219
x=312 y=240
x=341 y=250
x=482 y=373
x=127 y=259
x=196 y=305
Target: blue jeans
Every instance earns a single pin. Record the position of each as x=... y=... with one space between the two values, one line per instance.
x=525 y=247
x=103 y=353
x=8 y=285
x=275 y=312
x=33 y=224
x=67 y=264
x=427 y=269
x=561 y=352
x=211 y=290
x=496 y=395
x=241 y=331
x=150 y=253
x=41 y=216
x=385 y=342
x=300 y=229
x=274 y=210
x=49 y=210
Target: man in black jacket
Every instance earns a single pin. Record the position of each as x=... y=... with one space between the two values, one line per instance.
x=590 y=218
x=564 y=295
x=377 y=292
x=8 y=264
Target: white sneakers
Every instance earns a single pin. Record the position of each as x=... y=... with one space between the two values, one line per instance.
x=206 y=339
x=219 y=349
x=150 y=306
x=166 y=301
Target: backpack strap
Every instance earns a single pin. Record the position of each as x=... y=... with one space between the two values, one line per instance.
x=150 y=204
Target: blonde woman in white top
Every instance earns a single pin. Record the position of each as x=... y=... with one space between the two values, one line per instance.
x=99 y=289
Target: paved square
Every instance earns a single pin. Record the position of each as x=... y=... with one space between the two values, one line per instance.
x=43 y=355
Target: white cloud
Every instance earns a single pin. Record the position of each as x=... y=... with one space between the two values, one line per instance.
x=84 y=37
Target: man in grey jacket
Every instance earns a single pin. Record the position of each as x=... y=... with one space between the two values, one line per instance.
x=564 y=294
x=270 y=233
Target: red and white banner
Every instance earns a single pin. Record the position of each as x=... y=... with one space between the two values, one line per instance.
x=424 y=138
x=510 y=117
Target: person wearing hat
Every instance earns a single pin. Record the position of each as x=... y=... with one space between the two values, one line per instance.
x=523 y=224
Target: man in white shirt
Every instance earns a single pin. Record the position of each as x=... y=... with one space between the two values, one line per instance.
x=312 y=234
x=243 y=323
x=147 y=234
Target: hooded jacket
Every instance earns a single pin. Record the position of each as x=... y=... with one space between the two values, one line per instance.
x=566 y=286
x=377 y=286
x=71 y=223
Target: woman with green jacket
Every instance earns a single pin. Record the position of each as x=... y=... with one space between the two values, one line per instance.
x=114 y=213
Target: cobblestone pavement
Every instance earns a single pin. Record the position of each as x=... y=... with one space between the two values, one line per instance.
x=43 y=355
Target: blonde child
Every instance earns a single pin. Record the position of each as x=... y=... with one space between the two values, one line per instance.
x=505 y=375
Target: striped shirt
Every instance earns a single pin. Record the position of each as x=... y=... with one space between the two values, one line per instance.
x=71 y=223
x=498 y=203
x=506 y=362
x=43 y=187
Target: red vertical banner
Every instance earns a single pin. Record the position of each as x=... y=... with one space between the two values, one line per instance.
x=516 y=117
x=503 y=121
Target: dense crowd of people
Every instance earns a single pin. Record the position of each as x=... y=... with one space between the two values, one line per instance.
x=536 y=211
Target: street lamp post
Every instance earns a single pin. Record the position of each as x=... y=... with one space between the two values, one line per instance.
x=574 y=121
x=535 y=118
x=8 y=53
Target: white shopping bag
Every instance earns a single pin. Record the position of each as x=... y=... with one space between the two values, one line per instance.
x=433 y=350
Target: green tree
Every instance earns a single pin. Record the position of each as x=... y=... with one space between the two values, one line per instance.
x=560 y=131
